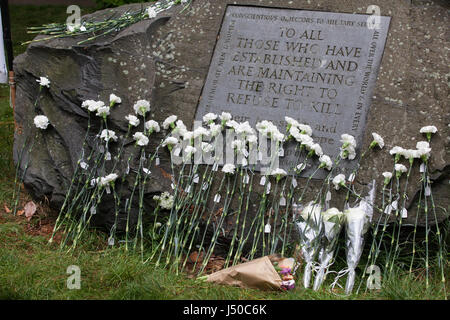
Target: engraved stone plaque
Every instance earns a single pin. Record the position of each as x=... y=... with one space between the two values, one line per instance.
x=316 y=67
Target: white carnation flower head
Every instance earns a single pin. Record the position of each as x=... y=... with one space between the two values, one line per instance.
x=228 y=168
x=399 y=169
x=278 y=173
x=252 y=139
x=170 y=122
x=377 y=141
x=332 y=213
x=348 y=146
x=133 y=121
x=103 y=111
x=428 y=130
x=92 y=105
x=207 y=147
x=201 y=132
x=316 y=149
x=215 y=129
x=224 y=118
x=170 y=142
x=325 y=162
x=44 y=82
x=141 y=139
x=41 y=122
x=312 y=212
x=244 y=128
x=339 y=181
x=305 y=129
x=141 y=107
x=387 y=177
x=209 y=118
x=165 y=200
x=113 y=99
x=107 y=180
x=189 y=151
x=396 y=152
x=354 y=214
x=423 y=150
x=152 y=126
x=188 y=135
x=151 y=12
x=107 y=135
x=291 y=123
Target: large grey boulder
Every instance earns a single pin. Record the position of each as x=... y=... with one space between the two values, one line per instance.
x=166 y=60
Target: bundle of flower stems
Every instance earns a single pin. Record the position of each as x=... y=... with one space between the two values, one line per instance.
x=194 y=215
x=104 y=27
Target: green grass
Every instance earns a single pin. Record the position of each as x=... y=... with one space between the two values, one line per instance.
x=32 y=269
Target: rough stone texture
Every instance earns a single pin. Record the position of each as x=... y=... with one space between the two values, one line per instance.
x=411 y=90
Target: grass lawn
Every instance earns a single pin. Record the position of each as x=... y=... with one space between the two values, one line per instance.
x=30 y=268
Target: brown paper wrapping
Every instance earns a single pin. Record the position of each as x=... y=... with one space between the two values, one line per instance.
x=255 y=274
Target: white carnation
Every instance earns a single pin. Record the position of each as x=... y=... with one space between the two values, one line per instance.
x=132 y=120
x=228 y=168
x=428 y=129
x=209 y=117
x=44 y=82
x=152 y=126
x=141 y=139
x=377 y=139
x=108 y=135
x=169 y=121
x=141 y=107
x=338 y=181
x=41 y=122
x=113 y=99
x=325 y=162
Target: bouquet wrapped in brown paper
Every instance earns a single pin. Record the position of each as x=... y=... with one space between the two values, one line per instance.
x=256 y=274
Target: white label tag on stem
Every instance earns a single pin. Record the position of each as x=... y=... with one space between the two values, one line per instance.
x=282 y=201
x=108 y=190
x=267 y=228
x=157 y=161
x=217 y=198
x=388 y=209
x=404 y=213
x=205 y=186
x=246 y=179
x=422 y=167
x=262 y=181
x=427 y=191
x=188 y=189
x=328 y=196
x=294 y=182
x=394 y=205
x=268 y=187
x=110 y=241
x=173 y=186
x=196 y=178
x=93 y=210
x=260 y=156
x=351 y=177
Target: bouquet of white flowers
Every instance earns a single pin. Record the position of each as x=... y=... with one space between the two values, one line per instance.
x=310 y=227
x=333 y=220
x=357 y=224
